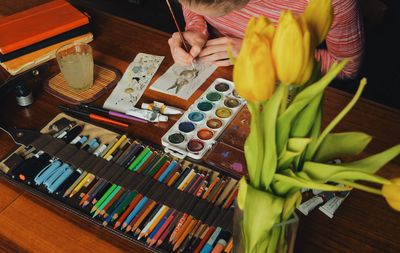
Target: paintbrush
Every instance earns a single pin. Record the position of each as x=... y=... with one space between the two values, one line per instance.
x=179 y=30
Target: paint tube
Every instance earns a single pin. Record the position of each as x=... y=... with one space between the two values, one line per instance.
x=147 y=115
x=330 y=207
x=161 y=107
x=309 y=205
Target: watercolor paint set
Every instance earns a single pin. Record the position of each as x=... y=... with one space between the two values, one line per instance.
x=197 y=130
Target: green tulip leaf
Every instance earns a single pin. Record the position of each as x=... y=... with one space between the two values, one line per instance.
x=359 y=186
x=301 y=100
x=284 y=184
x=370 y=165
x=286 y=160
x=298 y=144
x=254 y=145
x=305 y=120
x=269 y=114
x=261 y=210
x=337 y=145
x=291 y=202
x=340 y=116
x=357 y=175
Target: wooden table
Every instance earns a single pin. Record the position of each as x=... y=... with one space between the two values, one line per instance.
x=364 y=223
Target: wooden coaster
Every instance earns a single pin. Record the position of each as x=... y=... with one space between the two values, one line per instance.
x=105 y=78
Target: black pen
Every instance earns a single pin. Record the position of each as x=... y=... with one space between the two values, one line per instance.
x=93 y=117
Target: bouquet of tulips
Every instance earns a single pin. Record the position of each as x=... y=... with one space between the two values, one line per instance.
x=286 y=149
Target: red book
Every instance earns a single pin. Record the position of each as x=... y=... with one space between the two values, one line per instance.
x=39 y=23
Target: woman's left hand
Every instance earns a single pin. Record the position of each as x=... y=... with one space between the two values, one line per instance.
x=215 y=51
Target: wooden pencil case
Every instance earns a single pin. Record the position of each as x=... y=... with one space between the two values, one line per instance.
x=115 y=174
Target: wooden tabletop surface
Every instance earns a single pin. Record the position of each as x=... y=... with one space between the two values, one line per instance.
x=364 y=223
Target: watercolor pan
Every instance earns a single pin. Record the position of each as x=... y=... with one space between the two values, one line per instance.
x=200 y=126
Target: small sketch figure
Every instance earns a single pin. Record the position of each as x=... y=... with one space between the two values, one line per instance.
x=184 y=78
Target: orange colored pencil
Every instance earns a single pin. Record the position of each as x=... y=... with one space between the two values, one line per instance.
x=132 y=205
x=136 y=223
x=185 y=233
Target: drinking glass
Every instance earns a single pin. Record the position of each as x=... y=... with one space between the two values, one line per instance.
x=76 y=64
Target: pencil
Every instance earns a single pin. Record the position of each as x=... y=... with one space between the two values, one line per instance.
x=190 y=223
x=206 y=235
x=161 y=170
x=162 y=210
x=125 y=214
x=134 y=212
x=159 y=225
x=112 y=202
x=138 y=158
x=115 y=146
x=103 y=198
x=77 y=181
x=109 y=214
x=164 y=226
x=147 y=219
x=142 y=215
x=169 y=229
x=121 y=208
x=153 y=223
x=229 y=246
x=173 y=165
x=145 y=161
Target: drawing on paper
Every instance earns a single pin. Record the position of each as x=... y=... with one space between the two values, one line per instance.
x=183 y=81
x=184 y=78
x=133 y=83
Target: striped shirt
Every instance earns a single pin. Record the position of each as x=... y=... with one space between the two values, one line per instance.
x=344 y=40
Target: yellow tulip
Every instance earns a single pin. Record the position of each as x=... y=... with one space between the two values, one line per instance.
x=391 y=192
x=262 y=26
x=292 y=50
x=319 y=17
x=254 y=71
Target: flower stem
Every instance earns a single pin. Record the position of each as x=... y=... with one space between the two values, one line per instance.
x=284 y=101
x=360 y=186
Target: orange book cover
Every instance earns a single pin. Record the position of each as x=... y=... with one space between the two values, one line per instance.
x=31 y=60
x=38 y=23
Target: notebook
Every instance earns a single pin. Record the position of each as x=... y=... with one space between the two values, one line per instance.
x=31 y=60
x=45 y=43
x=28 y=27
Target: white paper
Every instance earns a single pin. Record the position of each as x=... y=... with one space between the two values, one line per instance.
x=183 y=81
x=133 y=83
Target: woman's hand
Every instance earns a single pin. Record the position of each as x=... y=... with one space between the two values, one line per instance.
x=215 y=51
x=196 y=41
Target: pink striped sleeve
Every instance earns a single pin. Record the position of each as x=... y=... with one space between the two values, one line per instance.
x=194 y=22
x=345 y=39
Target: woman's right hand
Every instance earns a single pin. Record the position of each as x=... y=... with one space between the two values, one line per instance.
x=195 y=41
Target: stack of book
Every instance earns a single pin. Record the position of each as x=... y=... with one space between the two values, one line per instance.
x=31 y=37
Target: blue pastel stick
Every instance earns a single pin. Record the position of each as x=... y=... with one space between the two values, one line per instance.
x=57 y=173
x=93 y=146
x=46 y=172
x=54 y=186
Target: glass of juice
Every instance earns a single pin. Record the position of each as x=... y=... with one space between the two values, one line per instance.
x=76 y=64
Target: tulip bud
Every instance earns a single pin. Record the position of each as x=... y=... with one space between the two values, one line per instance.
x=319 y=17
x=391 y=192
x=254 y=71
x=292 y=49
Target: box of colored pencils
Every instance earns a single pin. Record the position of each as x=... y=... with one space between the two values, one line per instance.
x=133 y=189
